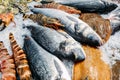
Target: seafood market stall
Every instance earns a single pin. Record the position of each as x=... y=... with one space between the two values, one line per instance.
x=59 y=40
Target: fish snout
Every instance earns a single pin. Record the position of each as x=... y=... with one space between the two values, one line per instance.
x=72 y=51
x=87 y=35
x=109 y=7
x=94 y=40
x=78 y=54
x=112 y=6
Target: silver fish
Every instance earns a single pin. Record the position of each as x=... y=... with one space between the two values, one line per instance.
x=62 y=46
x=99 y=6
x=74 y=26
x=44 y=65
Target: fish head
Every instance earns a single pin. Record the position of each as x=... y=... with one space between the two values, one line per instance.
x=87 y=35
x=33 y=28
x=110 y=6
x=72 y=51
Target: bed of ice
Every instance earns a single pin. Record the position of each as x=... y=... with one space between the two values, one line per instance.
x=111 y=49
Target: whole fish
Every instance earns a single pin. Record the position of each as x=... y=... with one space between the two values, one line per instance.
x=7 y=66
x=43 y=64
x=44 y=20
x=74 y=26
x=99 y=6
x=64 y=47
x=21 y=62
x=67 y=9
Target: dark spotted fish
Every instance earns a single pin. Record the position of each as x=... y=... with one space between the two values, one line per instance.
x=7 y=66
x=44 y=20
x=75 y=27
x=99 y=6
x=21 y=62
x=67 y=9
x=44 y=65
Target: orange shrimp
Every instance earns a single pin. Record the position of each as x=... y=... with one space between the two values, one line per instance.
x=7 y=18
x=21 y=62
x=7 y=66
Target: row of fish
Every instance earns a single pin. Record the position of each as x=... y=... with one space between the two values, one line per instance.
x=60 y=43
x=73 y=26
x=100 y=6
x=43 y=65
x=51 y=53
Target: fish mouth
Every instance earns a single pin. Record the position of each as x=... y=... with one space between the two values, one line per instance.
x=109 y=7
x=78 y=54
